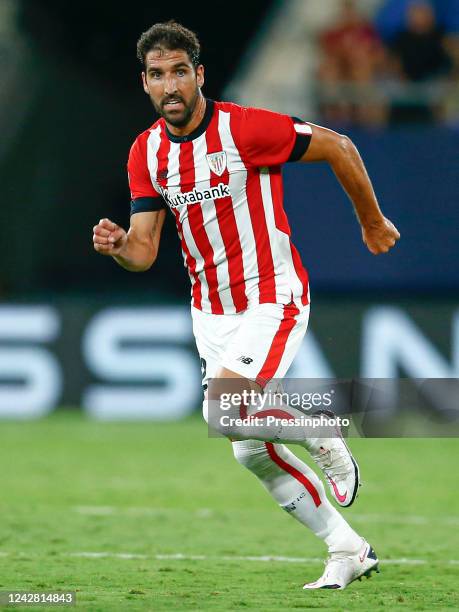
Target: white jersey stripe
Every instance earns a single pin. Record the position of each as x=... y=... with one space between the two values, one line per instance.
x=173 y=171
x=172 y=166
x=237 y=183
x=153 y=143
x=209 y=214
x=278 y=240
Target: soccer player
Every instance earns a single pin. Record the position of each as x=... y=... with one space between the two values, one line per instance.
x=217 y=167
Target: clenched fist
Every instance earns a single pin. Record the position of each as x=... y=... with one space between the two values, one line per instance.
x=108 y=238
x=380 y=236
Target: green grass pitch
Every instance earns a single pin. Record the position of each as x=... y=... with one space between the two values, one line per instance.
x=159 y=517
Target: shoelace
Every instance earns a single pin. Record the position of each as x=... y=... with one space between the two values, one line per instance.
x=336 y=466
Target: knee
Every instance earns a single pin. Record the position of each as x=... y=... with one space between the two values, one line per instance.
x=222 y=424
x=224 y=397
x=221 y=419
x=217 y=420
x=254 y=456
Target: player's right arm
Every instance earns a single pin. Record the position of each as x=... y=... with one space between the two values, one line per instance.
x=135 y=250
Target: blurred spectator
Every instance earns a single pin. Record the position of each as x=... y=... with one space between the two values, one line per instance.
x=420 y=47
x=391 y=17
x=419 y=56
x=352 y=55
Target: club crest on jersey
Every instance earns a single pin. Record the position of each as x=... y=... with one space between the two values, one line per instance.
x=217 y=162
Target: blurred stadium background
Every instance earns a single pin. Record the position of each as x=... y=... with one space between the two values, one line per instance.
x=76 y=330
x=80 y=336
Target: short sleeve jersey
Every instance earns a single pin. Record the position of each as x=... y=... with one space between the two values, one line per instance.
x=223 y=184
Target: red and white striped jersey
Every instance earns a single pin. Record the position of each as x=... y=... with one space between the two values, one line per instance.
x=223 y=184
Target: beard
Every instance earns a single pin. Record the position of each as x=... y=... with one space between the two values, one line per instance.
x=177 y=118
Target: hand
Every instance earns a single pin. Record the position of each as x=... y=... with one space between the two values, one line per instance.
x=380 y=236
x=108 y=238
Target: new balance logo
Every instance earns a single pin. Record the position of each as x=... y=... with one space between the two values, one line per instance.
x=195 y=196
x=246 y=360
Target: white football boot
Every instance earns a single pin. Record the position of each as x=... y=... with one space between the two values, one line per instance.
x=335 y=460
x=331 y=454
x=343 y=568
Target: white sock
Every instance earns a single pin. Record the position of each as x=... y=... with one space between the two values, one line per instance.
x=298 y=490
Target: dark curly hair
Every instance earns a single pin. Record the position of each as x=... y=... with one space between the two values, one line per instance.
x=172 y=36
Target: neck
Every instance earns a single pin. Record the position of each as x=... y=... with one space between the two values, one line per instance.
x=195 y=119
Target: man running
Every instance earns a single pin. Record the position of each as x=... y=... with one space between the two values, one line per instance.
x=217 y=167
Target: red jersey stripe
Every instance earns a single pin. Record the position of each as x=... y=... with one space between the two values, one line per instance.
x=163 y=162
x=283 y=225
x=266 y=283
x=196 y=221
x=301 y=273
x=191 y=264
x=227 y=224
x=275 y=180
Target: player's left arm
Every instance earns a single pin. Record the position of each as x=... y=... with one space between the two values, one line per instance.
x=378 y=233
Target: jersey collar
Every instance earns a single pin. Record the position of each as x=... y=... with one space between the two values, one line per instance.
x=202 y=127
